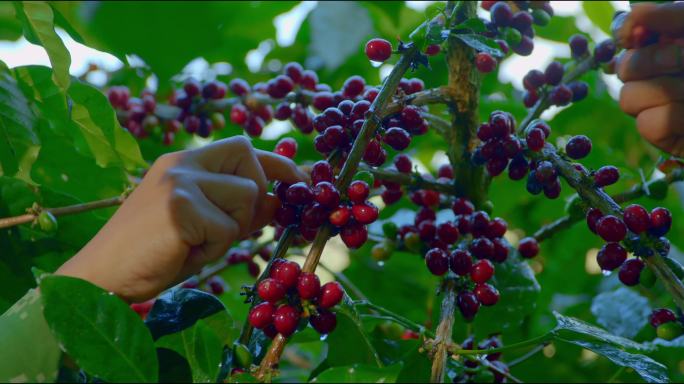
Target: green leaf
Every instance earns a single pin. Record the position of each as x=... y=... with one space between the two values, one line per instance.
x=417 y=366
x=623 y=311
x=518 y=290
x=200 y=346
x=600 y=13
x=10 y=26
x=109 y=143
x=650 y=370
x=350 y=344
x=19 y=144
x=561 y=28
x=474 y=24
x=359 y=374
x=91 y=324
x=39 y=28
x=481 y=43
x=578 y=328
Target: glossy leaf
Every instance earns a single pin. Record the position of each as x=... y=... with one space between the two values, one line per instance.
x=349 y=344
x=200 y=346
x=359 y=374
x=623 y=311
x=583 y=329
x=91 y=323
x=481 y=43
x=600 y=13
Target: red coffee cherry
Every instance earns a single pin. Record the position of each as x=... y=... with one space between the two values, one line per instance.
x=437 y=261
x=286 y=147
x=326 y=194
x=611 y=229
x=261 y=315
x=460 y=262
x=354 y=235
x=358 y=191
x=271 y=290
x=606 y=175
x=238 y=114
x=324 y=322
x=482 y=248
x=593 y=216
x=611 y=256
x=484 y=62
x=554 y=73
x=579 y=45
x=468 y=304
x=448 y=232
x=661 y=316
x=340 y=216
x=637 y=218
x=486 y=294
x=528 y=247
x=661 y=221
x=378 y=49
x=299 y=194
x=365 y=213
x=535 y=139
x=286 y=319
x=630 y=272
x=331 y=295
x=308 y=285
x=578 y=147
x=482 y=271
x=462 y=206
x=287 y=273
x=403 y=163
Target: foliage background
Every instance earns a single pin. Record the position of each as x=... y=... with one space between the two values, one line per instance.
x=48 y=156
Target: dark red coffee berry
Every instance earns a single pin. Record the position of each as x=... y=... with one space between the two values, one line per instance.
x=606 y=175
x=324 y=322
x=636 y=218
x=661 y=316
x=321 y=171
x=545 y=172
x=358 y=191
x=448 y=232
x=502 y=15
x=534 y=79
x=286 y=147
x=331 y=295
x=593 y=216
x=432 y=49
x=216 y=285
x=578 y=147
x=554 y=73
x=378 y=49
x=354 y=235
x=299 y=194
x=604 y=51
x=271 y=290
x=630 y=272
x=467 y=303
x=500 y=250
x=326 y=194
x=287 y=273
x=261 y=315
x=340 y=216
x=661 y=221
x=460 y=262
x=314 y=215
x=446 y=171
x=611 y=228
x=403 y=163
x=309 y=80
x=611 y=256
x=486 y=294
x=561 y=95
x=191 y=87
x=579 y=89
x=397 y=138
x=535 y=139
x=294 y=71
x=286 y=319
x=308 y=285
x=528 y=247
x=579 y=46
x=530 y=99
x=238 y=114
x=353 y=86
x=482 y=271
x=497 y=228
x=437 y=261
x=462 y=206
x=484 y=62
x=365 y=213
x=427 y=230
x=525 y=47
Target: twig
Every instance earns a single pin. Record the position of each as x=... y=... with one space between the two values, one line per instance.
x=442 y=340
x=493 y=367
x=396 y=317
x=526 y=356
x=414 y=180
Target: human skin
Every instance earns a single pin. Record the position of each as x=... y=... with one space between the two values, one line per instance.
x=653 y=72
x=187 y=211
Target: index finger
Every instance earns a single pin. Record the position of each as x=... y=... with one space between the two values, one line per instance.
x=646 y=21
x=280 y=168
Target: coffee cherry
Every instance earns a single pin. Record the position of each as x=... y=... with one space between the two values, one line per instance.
x=528 y=247
x=578 y=46
x=340 y=216
x=525 y=47
x=611 y=229
x=314 y=215
x=669 y=331
x=502 y=15
x=216 y=285
x=308 y=285
x=637 y=218
x=324 y=322
x=331 y=295
x=578 y=147
x=191 y=87
x=397 y=138
x=533 y=186
x=437 y=261
x=630 y=272
x=661 y=316
x=293 y=71
x=579 y=89
x=522 y=21
x=545 y=172
x=261 y=315
x=432 y=49
x=606 y=175
x=482 y=271
x=238 y=114
x=403 y=163
x=287 y=273
x=484 y=62
x=604 y=51
x=47 y=221
x=517 y=169
x=286 y=319
x=467 y=301
x=271 y=290
x=309 y=80
x=496 y=228
x=496 y=166
x=462 y=206
x=298 y=194
x=365 y=213
x=353 y=86
x=593 y=216
x=427 y=230
x=535 y=139
x=530 y=99
x=354 y=235
x=479 y=223
x=358 y=191
x=534 y=79
x=611 y=256
x=553 y=189
x=326 y=194
x=378 y=49
x=486 y=294
x=448 y=232
x=661 y=221
x=239 y=87
x=500 y=250
x=286 y=147
x=554 y=73
x=561 y=95
x=460 y=262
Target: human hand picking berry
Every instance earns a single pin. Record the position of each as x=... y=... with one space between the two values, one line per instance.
x=651 y=68
x=186 y=212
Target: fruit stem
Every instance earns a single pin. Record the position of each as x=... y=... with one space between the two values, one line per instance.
x=414 y=180
x=396 y=317
x=442 y=340
x=272 y=358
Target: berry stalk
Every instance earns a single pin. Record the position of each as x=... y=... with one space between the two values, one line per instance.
x=442 y=340
x=414 y=180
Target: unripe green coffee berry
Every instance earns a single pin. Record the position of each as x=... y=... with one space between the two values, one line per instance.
x=647 y=278
x=512 y=36
x=412 y=242
x=243 y=356
x=389 y=229
x=47 y=221
x=218 y=121
x=380 y=252
x=670 y=331
x=540 y=17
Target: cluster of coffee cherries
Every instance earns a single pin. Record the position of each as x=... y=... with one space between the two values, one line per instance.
x=289 y=295
x=192 y=99
x=379 y=50
x=474 y=371
x=338 y=126
x=138 y=114
x=310 y=206
x=513 y=23
x=666 y=323
x=639 y=232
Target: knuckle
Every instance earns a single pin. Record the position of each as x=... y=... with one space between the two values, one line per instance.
x=179 y=199
x=242 y=144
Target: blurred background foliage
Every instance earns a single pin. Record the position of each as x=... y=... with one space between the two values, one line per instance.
x=239 y=39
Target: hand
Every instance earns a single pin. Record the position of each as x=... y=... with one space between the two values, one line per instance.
x=654 y=74
x=185 y=213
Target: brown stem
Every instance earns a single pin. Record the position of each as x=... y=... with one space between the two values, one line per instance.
x=414 y=180
x=60 y=211
x=272 y=358
x=442 y=340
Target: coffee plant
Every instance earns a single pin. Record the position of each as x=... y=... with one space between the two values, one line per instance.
x=435 y=240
